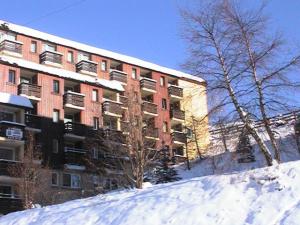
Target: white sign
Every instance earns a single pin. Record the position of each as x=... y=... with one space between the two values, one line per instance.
x=14 y=133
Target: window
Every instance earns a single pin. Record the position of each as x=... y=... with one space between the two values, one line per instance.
x=134 y=73
x=104 y=65
x=96 y=123
x=7 y=154
x=71 y=180
x=165 y=126
x=83 y=56
x=95 y=97
x=33 y=47
x=49 y=47
x=162 y=81
x=55 y=86
x=54 y=180
x=7 y=116
x=135 y=96
x=55 y=146
x=55 y=116
x=6 y=191
x=164 y=103
x=12 y=76
x=70 y=57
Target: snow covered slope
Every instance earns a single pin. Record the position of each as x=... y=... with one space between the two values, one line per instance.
x=260 y=196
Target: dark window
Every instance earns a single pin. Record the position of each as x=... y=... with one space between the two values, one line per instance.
x=6 y=191
x=12 y=76
x=71 y=180
x=55 y=146
x=33 y=47
x=54 y=180
x=55 y=86
x=164 y=103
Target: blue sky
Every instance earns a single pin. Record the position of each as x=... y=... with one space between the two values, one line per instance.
x=146 y=29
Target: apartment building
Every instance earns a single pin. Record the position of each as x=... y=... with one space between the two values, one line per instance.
x=59 y=90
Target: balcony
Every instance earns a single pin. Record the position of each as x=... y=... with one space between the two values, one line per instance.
x=111 y=108
x=148 y=86
x=6 y=167
x=150 y=133
x=33 y=122
x=75 y=157
x=175 y=92
x=177 y=116
x=9 y=203
x=115 y=136
x=12 y=133
x=179 y=138
x=124 y=101
x=87 y=67
x=51 y=58
x=75 y=131
x=30 y=91
x=11 y=47
x=118 y=76
x=149 y=109
x=74 y=100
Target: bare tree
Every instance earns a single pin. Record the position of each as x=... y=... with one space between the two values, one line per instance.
x=230 y=47
x=130 y=151
x=33 y=177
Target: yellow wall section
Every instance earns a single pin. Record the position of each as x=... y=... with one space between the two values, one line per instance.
x=194 y=104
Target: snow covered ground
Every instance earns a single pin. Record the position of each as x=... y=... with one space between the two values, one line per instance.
x=260 y=196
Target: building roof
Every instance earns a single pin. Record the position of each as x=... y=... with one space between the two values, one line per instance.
x=110 y=84
x=15 y=100
x=113 y=55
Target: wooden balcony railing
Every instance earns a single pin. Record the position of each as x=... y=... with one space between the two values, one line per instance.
x=149 y=107
x=150 y=132
x=10 y=204
x=177 y=114
x=50 y=56
x=179 y=137
x=73 y=98
x=175 y=91
x=118 y=76
x=29 y=90
x=125 y=126
x=74 y=156
x=75 y=128
x=6 y=168
x=109 y=107
x=11 y=46
x=86 y=66
x=33 y=121
x=124 y=101
x=148 y=84
x=12 y=130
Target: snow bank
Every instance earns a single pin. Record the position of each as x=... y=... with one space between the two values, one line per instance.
x=15 y=100
x=98 y=51
x=261 y=196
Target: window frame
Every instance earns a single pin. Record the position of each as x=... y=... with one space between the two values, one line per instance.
x=71 y=183
x=134 y=73
x=165 y=127
x=162 y=81
x=33 y=43
x=12 y=72
x=97 y=120
x=54 y=91
x=164 y=104
x=97 y=95
x=55 y=111
x=104 y=62
x=55 y=146
x=70 y=53
x=57 y=179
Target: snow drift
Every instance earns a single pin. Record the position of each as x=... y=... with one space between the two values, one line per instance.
x=261 y=196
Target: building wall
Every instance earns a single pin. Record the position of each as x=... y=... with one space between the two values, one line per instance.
x=194 y=104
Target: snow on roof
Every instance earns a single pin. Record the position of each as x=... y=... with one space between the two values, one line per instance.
x=99 y=51
x=115 y=85
x=15 y=100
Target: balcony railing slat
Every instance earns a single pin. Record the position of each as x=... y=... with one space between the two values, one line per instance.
x=179 y=137
x=176 y=91
x=11 y=46
x=112 y=107
x=75 y=128
x=149 y=107
x=84 y=65
x=74 y=99
x=118 y=76
x=150 y=132
x=148 y=84
x=53 y=57
x=177 y=114
x=29 y=90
